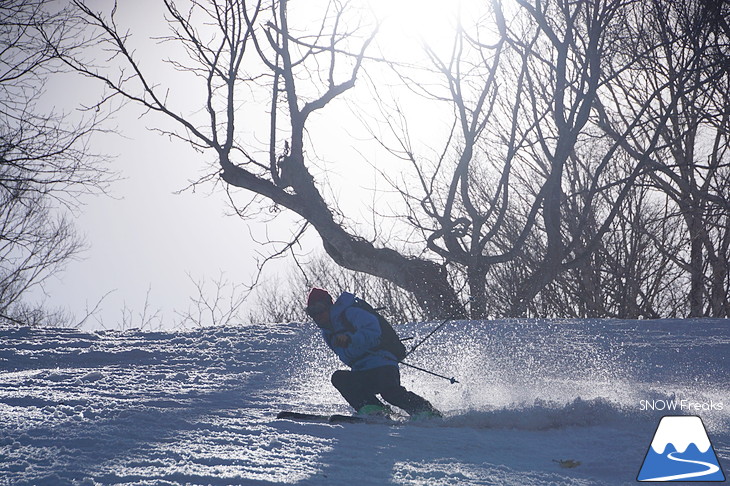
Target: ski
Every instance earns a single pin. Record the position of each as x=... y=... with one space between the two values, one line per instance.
x=347 y=419
x=298 y=416
x=332 y=419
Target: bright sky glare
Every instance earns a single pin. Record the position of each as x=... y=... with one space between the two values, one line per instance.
x=148 y=238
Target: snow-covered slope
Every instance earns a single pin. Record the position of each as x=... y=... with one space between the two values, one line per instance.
x=539 y=402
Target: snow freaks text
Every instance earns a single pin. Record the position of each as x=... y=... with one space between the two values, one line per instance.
x=680 y=405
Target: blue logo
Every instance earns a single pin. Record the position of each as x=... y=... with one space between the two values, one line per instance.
x=681 y=451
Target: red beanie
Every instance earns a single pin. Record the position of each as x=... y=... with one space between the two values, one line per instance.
x=318 y=295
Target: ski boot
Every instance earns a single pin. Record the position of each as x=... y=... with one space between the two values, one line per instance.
x=427 y=414
x=374 y=411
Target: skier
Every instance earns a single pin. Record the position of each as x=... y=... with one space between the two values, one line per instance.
x=354 y=335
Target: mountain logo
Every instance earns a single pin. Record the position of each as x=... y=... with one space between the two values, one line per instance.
x=681 y=451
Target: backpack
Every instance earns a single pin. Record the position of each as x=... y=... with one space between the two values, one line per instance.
x=389 y=340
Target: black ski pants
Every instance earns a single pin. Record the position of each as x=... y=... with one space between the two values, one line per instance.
x=360 y=387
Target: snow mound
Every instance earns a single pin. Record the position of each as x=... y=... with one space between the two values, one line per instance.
x=544 y=415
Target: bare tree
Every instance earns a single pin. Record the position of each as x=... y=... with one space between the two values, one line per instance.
x=687 y=77
x=526 y=172
x=545 y=107
x=460 y=197
x=216 y=303
x=568 y=73
x=634 y=272
x=44 y=159
x=236 y=50
x=595 y=87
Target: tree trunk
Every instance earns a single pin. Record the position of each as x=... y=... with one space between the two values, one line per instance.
x=696 y=264
x=477 y=279
x=427 y=280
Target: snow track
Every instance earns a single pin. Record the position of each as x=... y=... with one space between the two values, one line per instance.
x=198 y=407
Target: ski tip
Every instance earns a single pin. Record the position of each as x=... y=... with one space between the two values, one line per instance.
x=288 y=415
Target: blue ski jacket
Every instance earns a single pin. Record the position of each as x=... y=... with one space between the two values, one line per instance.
x=363 y=329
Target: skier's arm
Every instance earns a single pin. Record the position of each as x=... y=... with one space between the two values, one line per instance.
x=367 y=331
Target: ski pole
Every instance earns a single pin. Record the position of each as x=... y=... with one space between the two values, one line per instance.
x=443 y=323
x=452 y=380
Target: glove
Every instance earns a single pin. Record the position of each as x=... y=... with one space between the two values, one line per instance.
x=342 y=341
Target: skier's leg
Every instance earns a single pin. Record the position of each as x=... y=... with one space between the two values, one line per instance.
x=394 y=393
x=356 y=388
